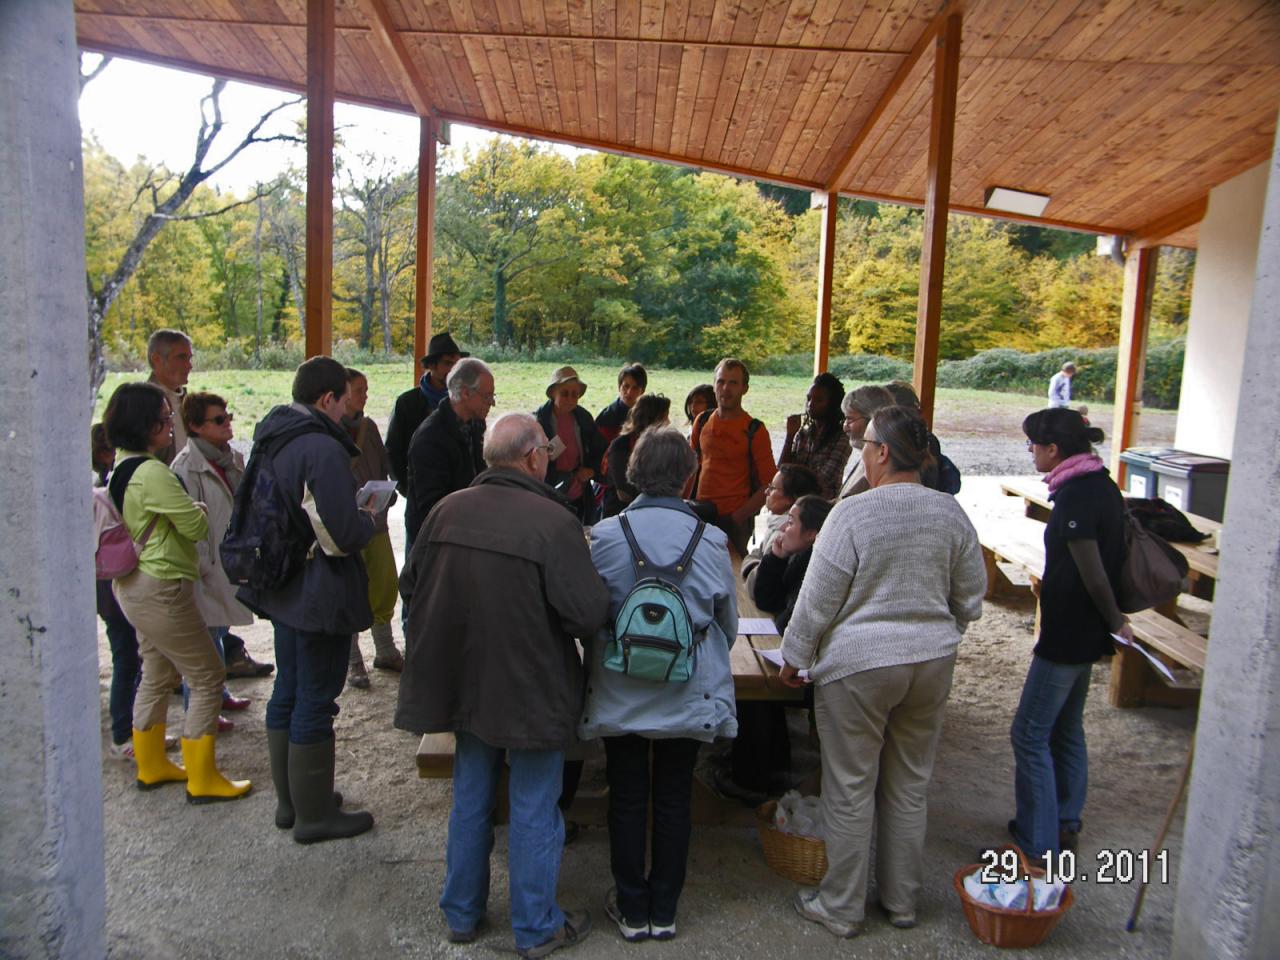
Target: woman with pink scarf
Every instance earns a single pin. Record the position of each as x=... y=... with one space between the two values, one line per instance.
x=1084 y=551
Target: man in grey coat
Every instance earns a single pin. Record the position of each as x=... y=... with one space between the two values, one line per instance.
x=501 y=582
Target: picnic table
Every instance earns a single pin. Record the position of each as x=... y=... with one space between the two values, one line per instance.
x=754 y=678
x=1020 y=541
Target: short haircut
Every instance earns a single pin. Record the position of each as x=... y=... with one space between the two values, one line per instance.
x=661 y=462
x=1063 y=426
x=316 y=377
x=465 y=373
x=866 y=400
x=511 y=438
x=703 y=390
x=812 y=511
x=162 y=341
x=99 y=445
x=729 y=363
x=1068 y=367
x=196 y=405
x=353 y=375
x=798 y=480
x=132 y=413
x=903 y=393
x=647 y=411
x=904 y=435
x=636 y=372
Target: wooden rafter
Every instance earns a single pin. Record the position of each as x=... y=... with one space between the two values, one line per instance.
x=826 y=277
x=319 y=247
x=1131 y=358
x=422 y=281
x=1153 y=233
x=396 y=54
x=921 y=47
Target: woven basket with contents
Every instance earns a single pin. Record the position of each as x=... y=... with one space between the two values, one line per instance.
x=798 y=858
x=1002 y=927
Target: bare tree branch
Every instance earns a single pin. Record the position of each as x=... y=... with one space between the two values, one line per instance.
x=87 y=78
x=261 y=194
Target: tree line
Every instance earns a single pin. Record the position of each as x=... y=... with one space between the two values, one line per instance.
x=611 y=256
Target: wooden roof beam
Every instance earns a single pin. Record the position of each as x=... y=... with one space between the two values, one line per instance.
x=922 y=46
x=396 y=54
x=1154 y=232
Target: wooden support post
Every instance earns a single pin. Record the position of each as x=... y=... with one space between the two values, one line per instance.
x=320 y=92
x=1135 y=317
x=942 y=130
x=426 y=239
x=826 y=264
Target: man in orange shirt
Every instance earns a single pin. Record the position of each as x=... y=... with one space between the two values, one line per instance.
x=735 y=458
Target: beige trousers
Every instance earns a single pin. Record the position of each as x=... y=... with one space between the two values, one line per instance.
x=879 y=733
x=174 y=644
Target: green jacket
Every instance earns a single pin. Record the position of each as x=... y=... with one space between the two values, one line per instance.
x=153 y=491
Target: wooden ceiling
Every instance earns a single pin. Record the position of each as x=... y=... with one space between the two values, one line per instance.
x=1125 y=112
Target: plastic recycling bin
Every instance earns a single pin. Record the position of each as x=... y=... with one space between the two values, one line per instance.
x=1141 y=478
x=1193 y=483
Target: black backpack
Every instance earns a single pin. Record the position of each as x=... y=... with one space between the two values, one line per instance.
x=267 y=542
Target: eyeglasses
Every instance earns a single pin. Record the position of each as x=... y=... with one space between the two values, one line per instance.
x=1030 y=444
x=878 y=443
x=544 y=447
x=851 y=417
x=221 y=418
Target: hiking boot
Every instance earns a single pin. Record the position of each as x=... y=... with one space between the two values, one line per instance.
x=357 y=676
x=808 y=906
x=243 y=666
x=385 y=654
x=631 y=932
x=577 y=927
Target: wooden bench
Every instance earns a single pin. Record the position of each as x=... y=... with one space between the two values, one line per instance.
x=1133 y=680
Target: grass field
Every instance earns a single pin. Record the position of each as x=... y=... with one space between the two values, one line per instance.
x=975 y=414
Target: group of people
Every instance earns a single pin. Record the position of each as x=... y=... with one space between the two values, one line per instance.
x=869 y=567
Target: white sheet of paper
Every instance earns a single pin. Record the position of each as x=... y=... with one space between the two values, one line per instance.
x=375 y=495
x=775 y=657
x=757 y=626
x=1151 y=658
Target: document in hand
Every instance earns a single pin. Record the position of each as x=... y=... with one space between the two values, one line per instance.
x=1155 y=661
x=775 y=657
x=375 y=495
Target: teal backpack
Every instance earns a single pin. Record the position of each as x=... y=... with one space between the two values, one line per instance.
x=653 y=634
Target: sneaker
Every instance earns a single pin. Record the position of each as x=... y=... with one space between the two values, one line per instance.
x=577 y=926
x=225 y=725
x=245 y=667
x=121 y=751
x=660 y=932
x=903 y=921
x=806 y=904
x=630 y=933
x=234 y=703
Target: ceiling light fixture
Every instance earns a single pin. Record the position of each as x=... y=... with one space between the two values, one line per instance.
x=1016 y=201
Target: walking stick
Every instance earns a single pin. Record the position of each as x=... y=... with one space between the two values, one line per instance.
x=1159 y=841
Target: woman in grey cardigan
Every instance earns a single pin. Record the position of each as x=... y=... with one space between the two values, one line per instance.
x=896 y=576
x=652 y=729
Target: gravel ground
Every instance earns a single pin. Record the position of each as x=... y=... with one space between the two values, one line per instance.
x=218 y=880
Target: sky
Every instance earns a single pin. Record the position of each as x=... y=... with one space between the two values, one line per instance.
x=135 y=109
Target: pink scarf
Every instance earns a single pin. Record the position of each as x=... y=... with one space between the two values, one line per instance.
x=1077 y=465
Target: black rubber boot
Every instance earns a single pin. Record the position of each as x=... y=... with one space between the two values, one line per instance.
x=278 y=749
x=314 y=802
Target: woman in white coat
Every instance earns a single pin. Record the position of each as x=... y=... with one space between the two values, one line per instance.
x=211 y=470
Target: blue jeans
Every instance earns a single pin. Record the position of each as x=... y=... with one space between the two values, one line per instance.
x=1052 y=763
x=535 y=839
x=126 y=671
x=310 y=671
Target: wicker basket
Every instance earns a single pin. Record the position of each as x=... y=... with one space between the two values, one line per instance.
x=802 y=859
x=1002 y=927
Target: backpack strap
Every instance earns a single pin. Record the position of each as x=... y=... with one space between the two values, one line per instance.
x=699 y=424
x=641 y=563
x=120 y=477
x=753 y=475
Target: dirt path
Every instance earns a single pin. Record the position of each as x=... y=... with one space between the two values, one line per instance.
x=220 y=880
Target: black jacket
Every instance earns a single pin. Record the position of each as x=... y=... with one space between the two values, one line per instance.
x=444 y=455
x=331 y=595
x=591 y=447
x=411 y=409
x=775 y=583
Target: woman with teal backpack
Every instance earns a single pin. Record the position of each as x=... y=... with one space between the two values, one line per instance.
x=653 y=721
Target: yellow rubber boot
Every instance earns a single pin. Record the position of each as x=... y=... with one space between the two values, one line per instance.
x=154 y=768
x=205 y=784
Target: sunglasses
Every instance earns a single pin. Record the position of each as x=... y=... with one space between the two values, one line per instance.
x=221 y=418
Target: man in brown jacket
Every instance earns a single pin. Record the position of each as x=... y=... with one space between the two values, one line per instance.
x=499 y=583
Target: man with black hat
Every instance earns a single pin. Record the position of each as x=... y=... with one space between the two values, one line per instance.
x=414 y=406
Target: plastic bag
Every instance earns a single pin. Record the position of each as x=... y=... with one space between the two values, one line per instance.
x=801 y=816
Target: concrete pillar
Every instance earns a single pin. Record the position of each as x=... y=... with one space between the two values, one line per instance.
x=1229 y=880
x=52 y=884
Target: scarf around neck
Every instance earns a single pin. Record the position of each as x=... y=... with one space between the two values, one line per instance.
x=223 y=459
x=1077 y=465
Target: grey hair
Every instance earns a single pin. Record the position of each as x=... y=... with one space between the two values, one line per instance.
x=511 y=438
x=866 y=400
x=661 y=462
x=465 y=373
x=162 y=341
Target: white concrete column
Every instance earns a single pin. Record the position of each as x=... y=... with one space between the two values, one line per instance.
x=52 y=885
x=1229 y=879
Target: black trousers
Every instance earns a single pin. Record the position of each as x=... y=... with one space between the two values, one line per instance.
x=640 y=770
x=762 y=747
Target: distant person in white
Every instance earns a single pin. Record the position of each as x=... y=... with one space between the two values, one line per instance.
x=1060 y=386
